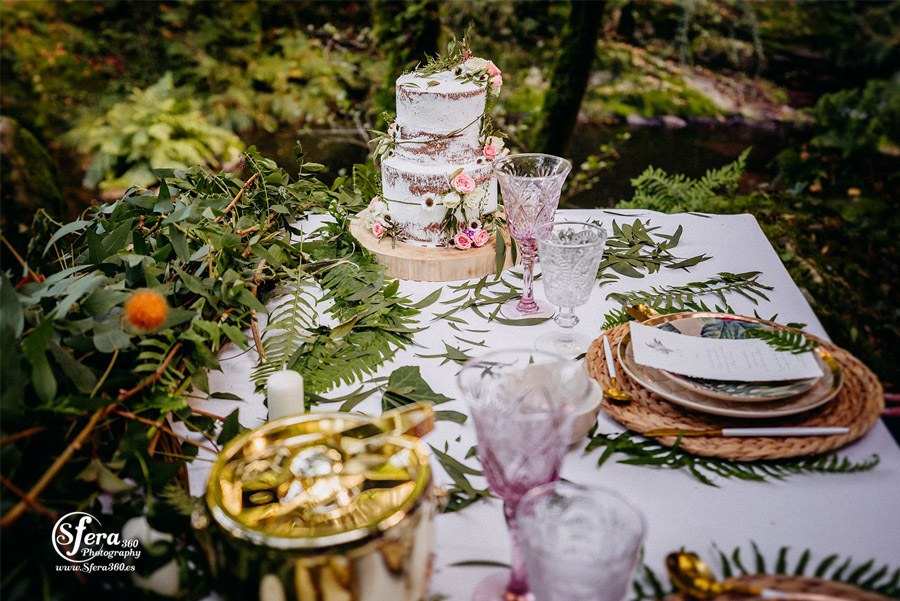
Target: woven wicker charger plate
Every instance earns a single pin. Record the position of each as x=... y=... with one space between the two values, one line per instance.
x=857 y=406
x=797 y=584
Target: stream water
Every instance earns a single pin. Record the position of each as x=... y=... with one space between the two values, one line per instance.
x=690 y=150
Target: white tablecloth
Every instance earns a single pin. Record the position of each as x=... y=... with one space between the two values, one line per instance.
x=853 y=515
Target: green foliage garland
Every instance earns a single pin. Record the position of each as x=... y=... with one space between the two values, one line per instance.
x=88 y=401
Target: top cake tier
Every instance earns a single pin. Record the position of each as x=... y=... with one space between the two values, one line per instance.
x=438 y=118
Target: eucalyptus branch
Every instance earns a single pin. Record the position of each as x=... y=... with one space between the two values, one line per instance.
x=254 y=322
x=20 y=435
x=159 y=425
x=34 y=276
x=237 y=197
x=33 y=503
x=13 y=514
x=678 y=297
x=207 y=414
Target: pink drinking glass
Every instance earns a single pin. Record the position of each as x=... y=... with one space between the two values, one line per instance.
x=522 y=404
x=530 y=184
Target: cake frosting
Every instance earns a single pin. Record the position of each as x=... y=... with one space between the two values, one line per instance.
x=437 y=187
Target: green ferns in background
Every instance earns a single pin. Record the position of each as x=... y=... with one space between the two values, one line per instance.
x=160 y=127
x=656 y=190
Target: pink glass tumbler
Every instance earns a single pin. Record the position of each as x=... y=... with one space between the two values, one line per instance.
x=522 y=405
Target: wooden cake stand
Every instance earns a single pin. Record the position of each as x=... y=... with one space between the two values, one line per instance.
x=408 y=262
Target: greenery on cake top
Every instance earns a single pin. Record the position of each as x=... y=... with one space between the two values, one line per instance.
x=457 y=52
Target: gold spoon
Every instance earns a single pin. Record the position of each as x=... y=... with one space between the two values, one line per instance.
x=695 y=580
x=620 y=396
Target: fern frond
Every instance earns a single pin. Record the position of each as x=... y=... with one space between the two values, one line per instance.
x=657 y=190
x=290 y=325
x=639 y=451
x=788 y=341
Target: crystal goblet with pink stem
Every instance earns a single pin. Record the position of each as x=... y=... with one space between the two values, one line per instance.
x=530 y=184
x=522 y=404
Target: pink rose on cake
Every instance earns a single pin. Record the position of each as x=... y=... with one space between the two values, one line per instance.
x=496 y=75
x=462 y=241
x=480 y=238
x=378 y=230
x=493 y=147
x=462 y=183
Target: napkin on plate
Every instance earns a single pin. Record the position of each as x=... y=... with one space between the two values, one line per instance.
x=745 y=360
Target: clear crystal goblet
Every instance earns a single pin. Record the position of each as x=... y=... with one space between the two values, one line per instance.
x=522 y=405
x=530 y=184
x=580 y=543
x=570 y=255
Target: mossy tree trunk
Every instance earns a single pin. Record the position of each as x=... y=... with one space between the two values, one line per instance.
x=569 y=78
x=406 y=31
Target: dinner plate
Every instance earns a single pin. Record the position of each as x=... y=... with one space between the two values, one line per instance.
x=719 y=326
x=656 y=381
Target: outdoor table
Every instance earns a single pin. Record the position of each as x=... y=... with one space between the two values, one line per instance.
x=849 y=514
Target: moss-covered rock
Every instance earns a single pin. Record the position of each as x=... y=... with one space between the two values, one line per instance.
x=30 y=181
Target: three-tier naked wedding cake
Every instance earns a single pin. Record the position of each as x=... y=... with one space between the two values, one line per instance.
x=436 y=157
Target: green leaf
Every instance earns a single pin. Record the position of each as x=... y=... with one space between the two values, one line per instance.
x=11 y=314
x=499 y=253
x=450 y=416
x=109 y=336
x=428 y=300
x=179 y=242
x=34 y=349
x=79 y=288
x=65 y=230
x=405 y=386
x=684 y=264
x=102 y=300
x=177 y=317
x=80 y=375
x=231 y=427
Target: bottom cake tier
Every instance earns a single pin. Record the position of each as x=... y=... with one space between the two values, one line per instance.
x=440 y=205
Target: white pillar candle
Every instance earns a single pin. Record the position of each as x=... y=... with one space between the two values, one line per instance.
x=284 y=390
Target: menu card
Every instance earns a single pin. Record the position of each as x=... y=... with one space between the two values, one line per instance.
x=747 y=360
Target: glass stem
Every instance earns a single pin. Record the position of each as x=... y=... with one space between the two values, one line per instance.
x=518 y=577
x=566 y=319
x=529 y=252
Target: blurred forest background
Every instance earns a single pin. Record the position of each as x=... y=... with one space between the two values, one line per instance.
x=95 y=95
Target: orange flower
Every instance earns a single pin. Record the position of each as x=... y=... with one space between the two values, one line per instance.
x=146 y=310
